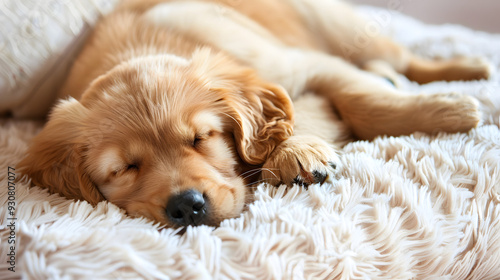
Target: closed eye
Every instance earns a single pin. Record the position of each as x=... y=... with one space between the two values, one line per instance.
x=196 y=141
x=132 y=167
x=126 y=168
x=200 y=138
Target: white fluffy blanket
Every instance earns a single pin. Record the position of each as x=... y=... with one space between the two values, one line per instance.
x=414 y=207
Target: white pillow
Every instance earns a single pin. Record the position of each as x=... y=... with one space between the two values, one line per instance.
x=38 y=42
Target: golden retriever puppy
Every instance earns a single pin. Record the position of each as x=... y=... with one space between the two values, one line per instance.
x=175 y=107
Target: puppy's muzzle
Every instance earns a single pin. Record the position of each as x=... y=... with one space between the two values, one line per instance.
x=187 y=208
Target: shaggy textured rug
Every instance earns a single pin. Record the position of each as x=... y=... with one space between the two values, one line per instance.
x=413 y=207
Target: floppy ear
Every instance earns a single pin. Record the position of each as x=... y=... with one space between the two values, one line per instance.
x=264 y=118
x=54 y=159
x=260 y=113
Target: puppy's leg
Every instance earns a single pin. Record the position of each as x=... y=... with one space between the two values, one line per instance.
x=371 y=107
x=459 y=68
x=346 y=34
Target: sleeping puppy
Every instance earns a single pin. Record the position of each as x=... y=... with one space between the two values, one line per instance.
x=176 y=107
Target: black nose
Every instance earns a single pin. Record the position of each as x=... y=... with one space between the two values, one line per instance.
x=187 y=208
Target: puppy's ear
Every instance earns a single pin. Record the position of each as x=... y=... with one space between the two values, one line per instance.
x=260 y=113
x=263 y=116
x=54 y=159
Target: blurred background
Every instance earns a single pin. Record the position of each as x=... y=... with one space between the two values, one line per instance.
x=477 y=14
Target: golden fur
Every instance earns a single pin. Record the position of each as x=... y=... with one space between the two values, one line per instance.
x=169 y=96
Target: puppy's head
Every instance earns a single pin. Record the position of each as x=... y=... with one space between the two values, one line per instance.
x=163 y=137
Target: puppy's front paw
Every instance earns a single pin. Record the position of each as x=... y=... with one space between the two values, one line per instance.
x=302 y=160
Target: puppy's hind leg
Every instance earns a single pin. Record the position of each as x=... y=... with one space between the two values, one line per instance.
x=455 y=69
x=371 y=107
x=346 y=34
